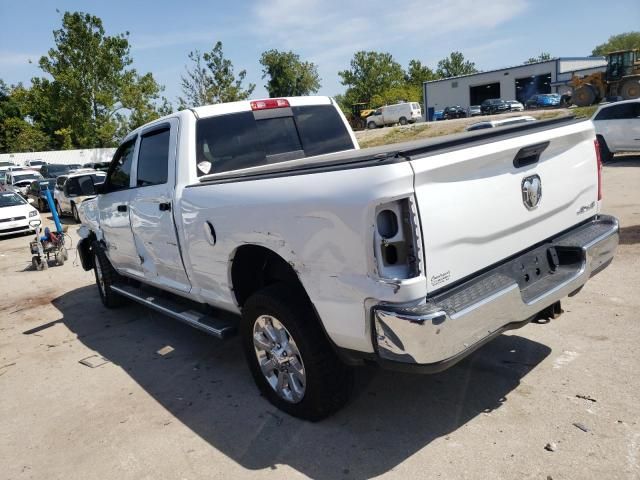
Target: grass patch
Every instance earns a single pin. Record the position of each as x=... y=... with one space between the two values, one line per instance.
x=398 y=135
x=584 y=112
x=549 y=114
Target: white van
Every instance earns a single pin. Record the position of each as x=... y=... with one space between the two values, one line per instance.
x=401 y=113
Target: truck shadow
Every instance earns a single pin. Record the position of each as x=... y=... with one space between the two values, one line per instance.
x=205 y=385
x=624 y=160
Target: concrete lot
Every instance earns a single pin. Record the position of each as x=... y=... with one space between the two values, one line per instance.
x=195 y=413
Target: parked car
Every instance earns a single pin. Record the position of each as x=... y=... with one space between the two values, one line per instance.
x=455 y=111
x=102 y=166
x=4 y=165
x=36 y=193
x=15 y=214
x=53 y=170
x=261 y=217
x=500 y=123
x=515 y=106
x=402 y=113
x=543 y=100
x=73 y=189
x=618 y=127
x=19 y=180
x=474 y=110
x=438 y=115
x=493 y=106
x=35 y=164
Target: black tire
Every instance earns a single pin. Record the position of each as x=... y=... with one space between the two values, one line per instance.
x=605 y=153
x=631 y=89
x=74 y=212
x=328 y=381
x=584 y=96
x=102 y=268
x=371 y=125
x=403 y=121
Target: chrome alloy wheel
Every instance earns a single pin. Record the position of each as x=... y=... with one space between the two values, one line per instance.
x=279 y=358
x=99 y=275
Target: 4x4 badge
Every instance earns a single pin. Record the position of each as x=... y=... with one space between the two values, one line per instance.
x=531 y=191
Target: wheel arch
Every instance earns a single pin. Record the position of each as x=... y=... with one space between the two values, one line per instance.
x=253 y=267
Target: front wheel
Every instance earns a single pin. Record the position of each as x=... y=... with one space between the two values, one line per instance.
x=289 y=356
x=106 y=276
x=371 y=125
x=403 y=121
x=74 y=212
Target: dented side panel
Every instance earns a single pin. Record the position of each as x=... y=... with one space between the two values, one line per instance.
x=322 y=224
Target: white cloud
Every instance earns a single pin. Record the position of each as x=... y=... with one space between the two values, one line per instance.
x=329 y=32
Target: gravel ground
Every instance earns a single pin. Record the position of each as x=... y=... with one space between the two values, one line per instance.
x=192 y=411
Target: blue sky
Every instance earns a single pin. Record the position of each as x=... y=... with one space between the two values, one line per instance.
x=493 y=33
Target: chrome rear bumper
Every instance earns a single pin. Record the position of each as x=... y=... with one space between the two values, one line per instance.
x=438 y=331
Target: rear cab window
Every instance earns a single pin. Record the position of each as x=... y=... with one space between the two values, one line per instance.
x=252 y=138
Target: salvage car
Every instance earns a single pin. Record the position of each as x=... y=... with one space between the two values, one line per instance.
x=543 y=100
x=53 y=170
x=15 y=214
x=515 y=106
x=455 y=111
x=618 y=127
x=264 y=218
x=73 y=189
x=19 y=180
x=493 y=106
x=36 y=193
x=474 y=110
x=500 y=123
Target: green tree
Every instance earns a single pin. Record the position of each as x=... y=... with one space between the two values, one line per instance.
x=20 y=136
x=622 y=41
x=93 y=92
x=371 y=74
x=543 y=57
x=455 y=65
x=288 y=75
x=212 y=80
x=417 y=73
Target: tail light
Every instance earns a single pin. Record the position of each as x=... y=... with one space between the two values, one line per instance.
x=269 y=103
x=397 y=240
x=599 y=159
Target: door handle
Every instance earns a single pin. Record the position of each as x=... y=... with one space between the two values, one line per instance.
x=122 y=208
x=165 y=207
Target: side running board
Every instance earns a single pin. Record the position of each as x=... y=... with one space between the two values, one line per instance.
x=217 y=326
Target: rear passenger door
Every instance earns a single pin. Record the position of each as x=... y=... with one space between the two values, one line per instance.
x=152 y=220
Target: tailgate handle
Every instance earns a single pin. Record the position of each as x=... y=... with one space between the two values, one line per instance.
x=529 y=155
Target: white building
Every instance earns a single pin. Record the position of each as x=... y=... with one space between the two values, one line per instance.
x=513 y=83
x=64 y=157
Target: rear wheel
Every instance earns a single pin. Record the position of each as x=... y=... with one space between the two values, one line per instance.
x=584 y=96
x=371 y=125
x=106 y=276
x=403 y=121
x=289 y=356
x=631 y=89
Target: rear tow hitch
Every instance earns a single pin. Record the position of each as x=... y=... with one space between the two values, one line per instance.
x=552 y=312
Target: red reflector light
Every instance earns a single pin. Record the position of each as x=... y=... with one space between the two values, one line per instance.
x=269 y=103
x=599 y=159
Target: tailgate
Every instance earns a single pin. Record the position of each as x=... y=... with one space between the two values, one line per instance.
x=472 y=208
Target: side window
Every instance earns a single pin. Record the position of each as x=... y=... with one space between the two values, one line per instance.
x=153 y=158
x=120 y=169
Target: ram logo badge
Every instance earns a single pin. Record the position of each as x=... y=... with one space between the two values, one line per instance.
x=531 y=191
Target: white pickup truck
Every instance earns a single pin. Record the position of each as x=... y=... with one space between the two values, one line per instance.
x=264 y=218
